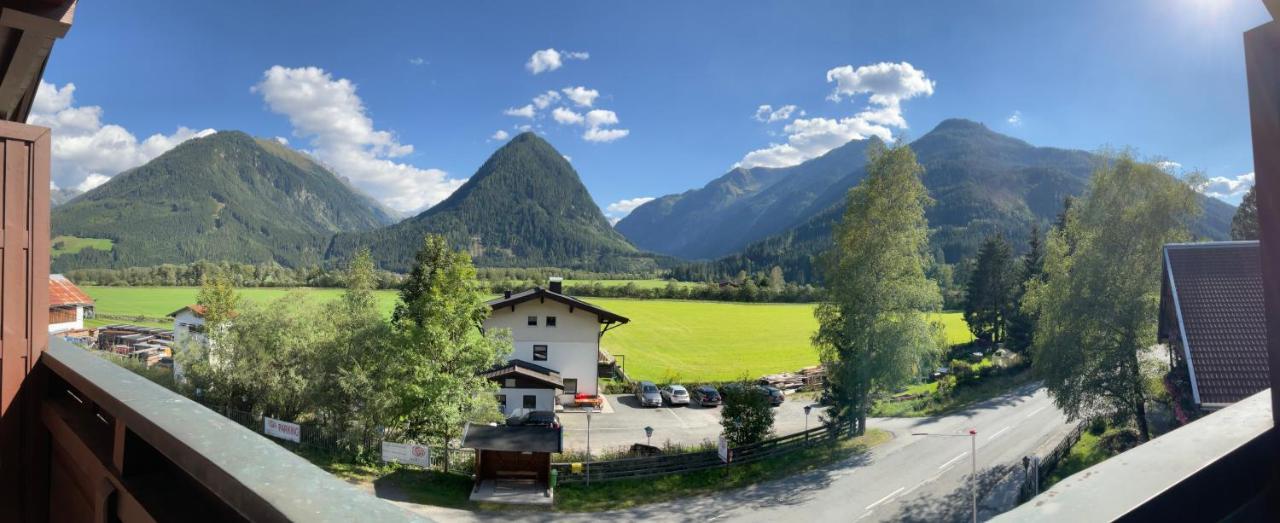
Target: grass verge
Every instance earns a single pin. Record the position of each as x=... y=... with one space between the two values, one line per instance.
x=931 y=406
x=612 y=495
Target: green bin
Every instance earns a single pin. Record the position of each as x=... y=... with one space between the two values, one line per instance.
x=554 y=474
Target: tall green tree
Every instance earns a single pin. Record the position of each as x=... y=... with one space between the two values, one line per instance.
x=219 y=298
x=440 y=346
x=874 y=331
x=1022 y=322
x=1244 y=225
x=990 y=294
x=1097 y=305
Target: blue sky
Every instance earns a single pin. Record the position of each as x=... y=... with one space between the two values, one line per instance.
x=406 y=100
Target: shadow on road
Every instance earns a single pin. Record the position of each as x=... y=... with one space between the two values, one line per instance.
x=955 y=506
x=1008 y=399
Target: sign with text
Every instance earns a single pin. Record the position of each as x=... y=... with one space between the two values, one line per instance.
x=406 y=453
x=281 y=429
x=722 y=449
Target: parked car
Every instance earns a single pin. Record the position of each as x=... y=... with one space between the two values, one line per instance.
x=706 y=396
x=776 y=397
x=535 y=418
x=675 y=395
x=648 y=395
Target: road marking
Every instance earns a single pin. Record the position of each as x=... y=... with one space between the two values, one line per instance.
x=886 y=498
x=953 y=460
x=864 y=516
x=998 y=433
x=678 y=418
x=1037 y=411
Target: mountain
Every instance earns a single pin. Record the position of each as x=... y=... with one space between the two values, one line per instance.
x=60 y=196
x=227 y=196
x=525 y=206
x=982 y=182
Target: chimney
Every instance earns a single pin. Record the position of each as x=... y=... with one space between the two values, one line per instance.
x=555 y=284
x=506 y=294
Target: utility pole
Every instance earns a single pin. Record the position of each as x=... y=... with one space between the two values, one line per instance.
x=973 y=452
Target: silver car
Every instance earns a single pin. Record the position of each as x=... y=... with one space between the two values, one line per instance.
x=647 y=394
x=675 y=395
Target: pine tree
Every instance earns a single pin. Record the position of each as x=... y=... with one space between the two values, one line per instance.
x=1022 y=322
x=990 y=294
x=1244 y=226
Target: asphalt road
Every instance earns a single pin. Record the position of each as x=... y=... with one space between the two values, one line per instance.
x=683 y=425
x=910 y=478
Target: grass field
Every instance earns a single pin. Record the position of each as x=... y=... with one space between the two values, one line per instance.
x=688 y=340
x=71 y=245
x=640 y=284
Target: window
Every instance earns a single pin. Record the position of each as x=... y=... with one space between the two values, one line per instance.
x=533 y=321
x=510 y=383
x=530 y=401
x=551 y=321
x=539 y=353
x=570 y=386
x=502 y=402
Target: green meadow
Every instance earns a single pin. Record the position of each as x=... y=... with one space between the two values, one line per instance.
x=72 y=244
x=666 y=339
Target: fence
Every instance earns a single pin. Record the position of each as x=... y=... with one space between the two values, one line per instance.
x=631 y=468
x=1050 y=461
x=312 y=438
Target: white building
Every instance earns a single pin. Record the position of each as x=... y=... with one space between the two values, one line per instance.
x=556 y=341
x=68 y=305
x=188 y=324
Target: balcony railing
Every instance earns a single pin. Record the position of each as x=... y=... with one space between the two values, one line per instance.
x=124 y=447
x=1216 y=467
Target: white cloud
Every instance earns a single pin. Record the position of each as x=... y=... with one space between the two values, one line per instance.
x=500 y=135
x=766 y=113
x=87 y=152
x=567 y=158
x=1015 y=119
x=596 y=134
x=1230 y=189
x=417 y=60
x=545 y=99
x=526 y=111
x=282 y=140
x=888 y=84
x=91 y=182
x=581 y=95
x=1168 y=166
x=550 y=59
x=621 y=208
x=601 y=117
x=332 y=116
x=567 y=116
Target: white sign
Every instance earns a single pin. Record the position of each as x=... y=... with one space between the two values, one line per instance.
x=406 y=453
x=722 y=449
x=281 y=429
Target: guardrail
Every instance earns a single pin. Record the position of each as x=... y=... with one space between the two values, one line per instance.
x=634 y=468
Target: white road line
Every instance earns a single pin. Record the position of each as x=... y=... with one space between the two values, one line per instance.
x=952 y=460
x=886 y=498
x=864 y=516
x=1037 y=411
x=999 y=432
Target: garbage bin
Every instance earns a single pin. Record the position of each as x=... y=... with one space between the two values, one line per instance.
x=554 y=474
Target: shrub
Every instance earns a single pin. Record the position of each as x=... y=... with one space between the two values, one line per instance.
x=1097 y=426
x=1119 y=441
x=747 y=416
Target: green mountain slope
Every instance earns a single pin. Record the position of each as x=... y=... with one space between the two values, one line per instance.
x=227 y=196
x=525 y=206
x=982 y=182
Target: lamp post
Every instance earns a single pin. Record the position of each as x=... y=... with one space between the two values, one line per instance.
x=973 y=471
x=648 y=436
x=589 y=411
x=807 y=408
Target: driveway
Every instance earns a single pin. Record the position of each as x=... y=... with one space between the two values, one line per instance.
x=677 y=425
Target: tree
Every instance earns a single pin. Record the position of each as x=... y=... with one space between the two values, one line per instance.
x=440 y=347
x=218 y=297
x=1022 y=322
x=990 y=293
x=1244 y=225
x=747 y=415
x=874 y=332
x=1098 y=302
x=776 y=281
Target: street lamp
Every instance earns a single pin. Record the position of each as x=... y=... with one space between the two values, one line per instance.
x=807 y=408
x=648 y=436
x=973 y=452
x=590 y=410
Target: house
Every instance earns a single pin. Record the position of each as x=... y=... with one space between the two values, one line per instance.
x=188 y=323
x=513 y=463
x=1212 y=318
x=556 y=340
x=68 y=305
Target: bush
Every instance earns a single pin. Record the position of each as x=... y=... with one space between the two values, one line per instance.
x=747 y=416
x=1097 y=426
x=1119 y=441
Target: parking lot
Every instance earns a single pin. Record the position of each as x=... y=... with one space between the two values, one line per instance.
x=679 y=425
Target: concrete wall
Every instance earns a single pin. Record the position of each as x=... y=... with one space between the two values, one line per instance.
x=515 y=399
x=573 y=345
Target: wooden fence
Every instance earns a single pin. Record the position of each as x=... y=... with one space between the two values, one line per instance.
x=632 y=468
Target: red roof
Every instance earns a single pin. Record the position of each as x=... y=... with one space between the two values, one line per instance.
x=63 y=293
x=195 y=308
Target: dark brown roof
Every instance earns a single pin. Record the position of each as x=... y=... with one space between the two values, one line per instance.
x=512 y=438
x=539 y=292
x=1216 y=289
x=524 y=369
x=63 y=293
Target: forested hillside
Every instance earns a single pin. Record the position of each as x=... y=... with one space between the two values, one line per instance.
x=224 y=197
x=525 y=206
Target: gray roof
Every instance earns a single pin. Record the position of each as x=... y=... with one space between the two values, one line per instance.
x=1216 y=292
x=512 y=438
x=541 y=293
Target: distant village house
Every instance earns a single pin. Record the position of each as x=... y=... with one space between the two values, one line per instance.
x=68 y=305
